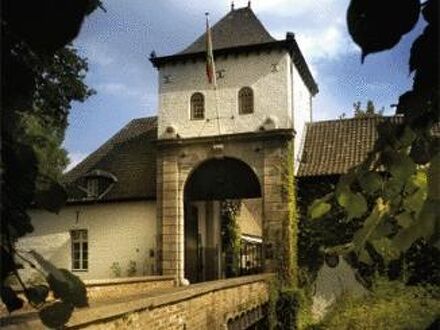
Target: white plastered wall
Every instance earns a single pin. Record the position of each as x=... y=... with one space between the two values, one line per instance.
x=302 y=109
x=266 y=73
x=117 y=232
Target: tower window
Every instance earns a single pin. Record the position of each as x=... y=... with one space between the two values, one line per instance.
x=80 y=250
x=197 y=106
x=245 y=101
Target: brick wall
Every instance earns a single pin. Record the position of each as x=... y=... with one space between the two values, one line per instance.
x=208 y=305
x=110 y=289
x=98 y=290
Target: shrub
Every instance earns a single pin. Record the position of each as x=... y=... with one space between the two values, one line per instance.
x=132 y=268
x=288 y=305
x=391 y=305
x=116 y=269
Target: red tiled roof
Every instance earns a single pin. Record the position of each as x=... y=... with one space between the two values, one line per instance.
x=333 y=147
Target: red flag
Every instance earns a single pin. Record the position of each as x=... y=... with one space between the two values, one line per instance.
x=210 y=65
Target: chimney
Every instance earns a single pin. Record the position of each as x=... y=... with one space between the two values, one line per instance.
x=290 y=36
x=232 y=6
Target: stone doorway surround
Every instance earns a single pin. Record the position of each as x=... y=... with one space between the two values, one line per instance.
x=262 y=151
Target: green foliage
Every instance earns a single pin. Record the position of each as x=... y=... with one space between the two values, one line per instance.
x=370 y=110
x=69 y=288
x=394 y=191
x=287 y=247
x=37 y=294
x=10 y=299
x=55 y=314
x=132 y=268
x=288 y=306
x=354 y=204
x=376 y=26
x=41 y=77
x=319 y=207
x=231 y=239
x=46 y=141
x=391 y=305
x=116 y=269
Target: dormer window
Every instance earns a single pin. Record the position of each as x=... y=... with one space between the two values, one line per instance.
x=197 y=106
x=92 y=187
x=245 y=101
x=96 y=184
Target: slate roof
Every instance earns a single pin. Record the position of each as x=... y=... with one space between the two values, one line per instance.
x=329 y=148
x=333 y=147
x=130 y=155
x=240 y=31
x=240 y=27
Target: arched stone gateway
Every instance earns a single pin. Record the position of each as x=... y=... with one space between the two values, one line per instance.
x=222 y=178
x=194 y=175
x=263 y=94
x=212 y=182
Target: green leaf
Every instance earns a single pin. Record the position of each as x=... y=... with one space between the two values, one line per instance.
x=52 y=198
x=369 y=226
x=419 y=180
x=47 y=266
x=364 y=257
x=37 y=294
x=392 y=188
x=56 y=314
x=319 y=207
x=370 y=182
x=10 y=298
x=340 y=249
x=354 y=204
x=423 y=227
x=385 y=248
x=407 y=138
x=415 y=201
x=404 y=219
x=376 y=25
x=401 y=166
x=383 y=229
x=71 y=289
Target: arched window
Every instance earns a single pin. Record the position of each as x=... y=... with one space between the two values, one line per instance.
x=197 y=106
x=245 y=101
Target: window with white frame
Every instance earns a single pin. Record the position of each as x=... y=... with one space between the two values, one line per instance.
x=92 y=187
x=245 y=101
x=80 y=250
x=197 y=106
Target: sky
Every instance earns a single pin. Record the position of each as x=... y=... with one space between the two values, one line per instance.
x=118 y=42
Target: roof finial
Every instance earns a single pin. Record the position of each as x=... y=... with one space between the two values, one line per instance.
x=232 y=6
x=249 y=4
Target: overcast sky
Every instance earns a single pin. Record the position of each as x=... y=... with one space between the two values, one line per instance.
x=118 y=43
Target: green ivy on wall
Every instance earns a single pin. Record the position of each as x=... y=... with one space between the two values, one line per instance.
x=288 y=257
x=231 y=238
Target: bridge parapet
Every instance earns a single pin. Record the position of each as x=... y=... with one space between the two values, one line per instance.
x=207 y=305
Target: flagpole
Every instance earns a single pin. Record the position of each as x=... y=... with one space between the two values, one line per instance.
x=210 y=68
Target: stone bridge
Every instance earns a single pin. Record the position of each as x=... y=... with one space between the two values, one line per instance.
x=237 y=303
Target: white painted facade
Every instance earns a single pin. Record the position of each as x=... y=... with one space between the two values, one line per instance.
x=120 y=232
x=117 y=232
x=272 y=76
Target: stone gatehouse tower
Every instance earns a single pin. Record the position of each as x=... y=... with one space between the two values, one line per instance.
x=225 y=143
